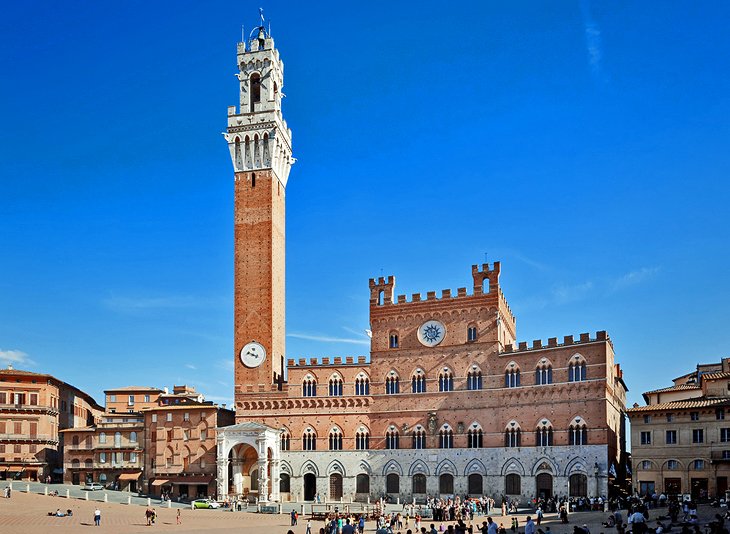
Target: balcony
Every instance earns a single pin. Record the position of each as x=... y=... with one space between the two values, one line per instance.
x=34 y=438
x=24 y=407
x=105 y=465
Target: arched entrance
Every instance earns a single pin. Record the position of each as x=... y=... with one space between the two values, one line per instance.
x=335 y=486
x=578 y=485
x=544 y=485
x=248 y=461
x=310 y=486
x=475 y=484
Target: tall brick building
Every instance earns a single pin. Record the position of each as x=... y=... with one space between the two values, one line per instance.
x=447 y=403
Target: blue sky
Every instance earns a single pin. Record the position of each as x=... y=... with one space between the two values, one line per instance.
x=583 y=144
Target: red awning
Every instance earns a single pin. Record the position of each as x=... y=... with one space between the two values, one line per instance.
x=160 y=482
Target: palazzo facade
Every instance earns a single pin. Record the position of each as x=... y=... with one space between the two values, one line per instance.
x=445 y=403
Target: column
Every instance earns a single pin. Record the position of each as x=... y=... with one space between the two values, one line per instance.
x=276 y=479
x=262 y=465
x=222 y=476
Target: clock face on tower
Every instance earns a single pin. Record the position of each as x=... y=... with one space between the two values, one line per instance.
x=431 y=333
x=253 y=354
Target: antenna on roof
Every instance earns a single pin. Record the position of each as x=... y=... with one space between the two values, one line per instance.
x=261 y=14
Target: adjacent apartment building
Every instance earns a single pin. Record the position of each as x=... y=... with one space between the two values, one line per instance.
x=680 y=440
x=35 y=408
x=150 y=440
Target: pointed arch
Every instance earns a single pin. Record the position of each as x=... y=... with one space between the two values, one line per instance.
x=446 y=466
x=475 y=466
x=545 y=464
x=336 y=466
x=309 y=467
x=285 y=467
x=576 y=465
x=512 y=465
x=419 y=467
x=365 y=467
x=392 y=467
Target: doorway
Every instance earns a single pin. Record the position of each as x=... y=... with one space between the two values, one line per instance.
x=310 y=486
x=544 y=485
x=335 y=486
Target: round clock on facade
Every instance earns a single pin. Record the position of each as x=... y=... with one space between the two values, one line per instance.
x=431 y=333
x=253 y=354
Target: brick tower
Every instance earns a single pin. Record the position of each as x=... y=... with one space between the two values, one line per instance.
x=260 y=146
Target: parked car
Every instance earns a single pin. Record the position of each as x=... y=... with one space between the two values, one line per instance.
x=92 y=486
x=205 y=503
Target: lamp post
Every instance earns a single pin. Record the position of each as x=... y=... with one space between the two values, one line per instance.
x=596 y=471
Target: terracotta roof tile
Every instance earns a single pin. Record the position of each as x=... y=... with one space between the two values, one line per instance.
x=678 y=387
x=716 y=376
x=682 y=405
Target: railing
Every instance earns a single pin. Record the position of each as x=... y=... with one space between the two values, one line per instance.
x=720 y=456
x=29 y=437
x=26 y=406
x=105 y=465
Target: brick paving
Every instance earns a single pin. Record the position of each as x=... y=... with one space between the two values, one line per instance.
x=27 y=514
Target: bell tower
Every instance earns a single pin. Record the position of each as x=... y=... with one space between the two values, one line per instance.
x=260 y=146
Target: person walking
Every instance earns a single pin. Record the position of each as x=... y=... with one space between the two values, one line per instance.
x=97 y=517
x=178 y=519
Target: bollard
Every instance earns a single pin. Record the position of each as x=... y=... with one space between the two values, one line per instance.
x=27 y=488
x=149 y=501
x=68 y=494
x=86 y=495
x=368 y=499
x=129 y=499
x=302 y=514
x=192 y=505
x=169 y=504
x=397 y=500
x=45 y=490
x=105 y=498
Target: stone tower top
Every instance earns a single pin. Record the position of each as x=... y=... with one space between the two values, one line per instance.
x=257 y=134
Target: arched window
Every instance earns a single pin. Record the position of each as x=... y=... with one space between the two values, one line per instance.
x=335 y=439
x=446 y=380
x=133 y=437
x=237 y=153
x=419 y=438
x=254 y=474
x=362 y=384
x=578 y=432
x=544 y=372
x=309 y=440
x=335 y=386
x=474 y=378
x=393 y=340
x=475 y=437
x=309 y=387
x=391 y=438
x=512 y=436
x=512 y=484
x=102 y=437
x=362 y=439
x=285 y=441
x=117 y=439
x=418 y=382
x=419 y=483
x=476 y=484
x=392 y=384
x=672 y=464
x=512 y=376
x=544 y=434
x=485 y=285
x=284 y=483
x=362 y=483
x=577 y=369
x=471 y=333
x=578 y=485
x=446 y=437
x=255 y=89
x=446 y=484
x=392 y=483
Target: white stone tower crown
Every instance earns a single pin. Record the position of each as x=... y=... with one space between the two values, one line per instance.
x=257 y=135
